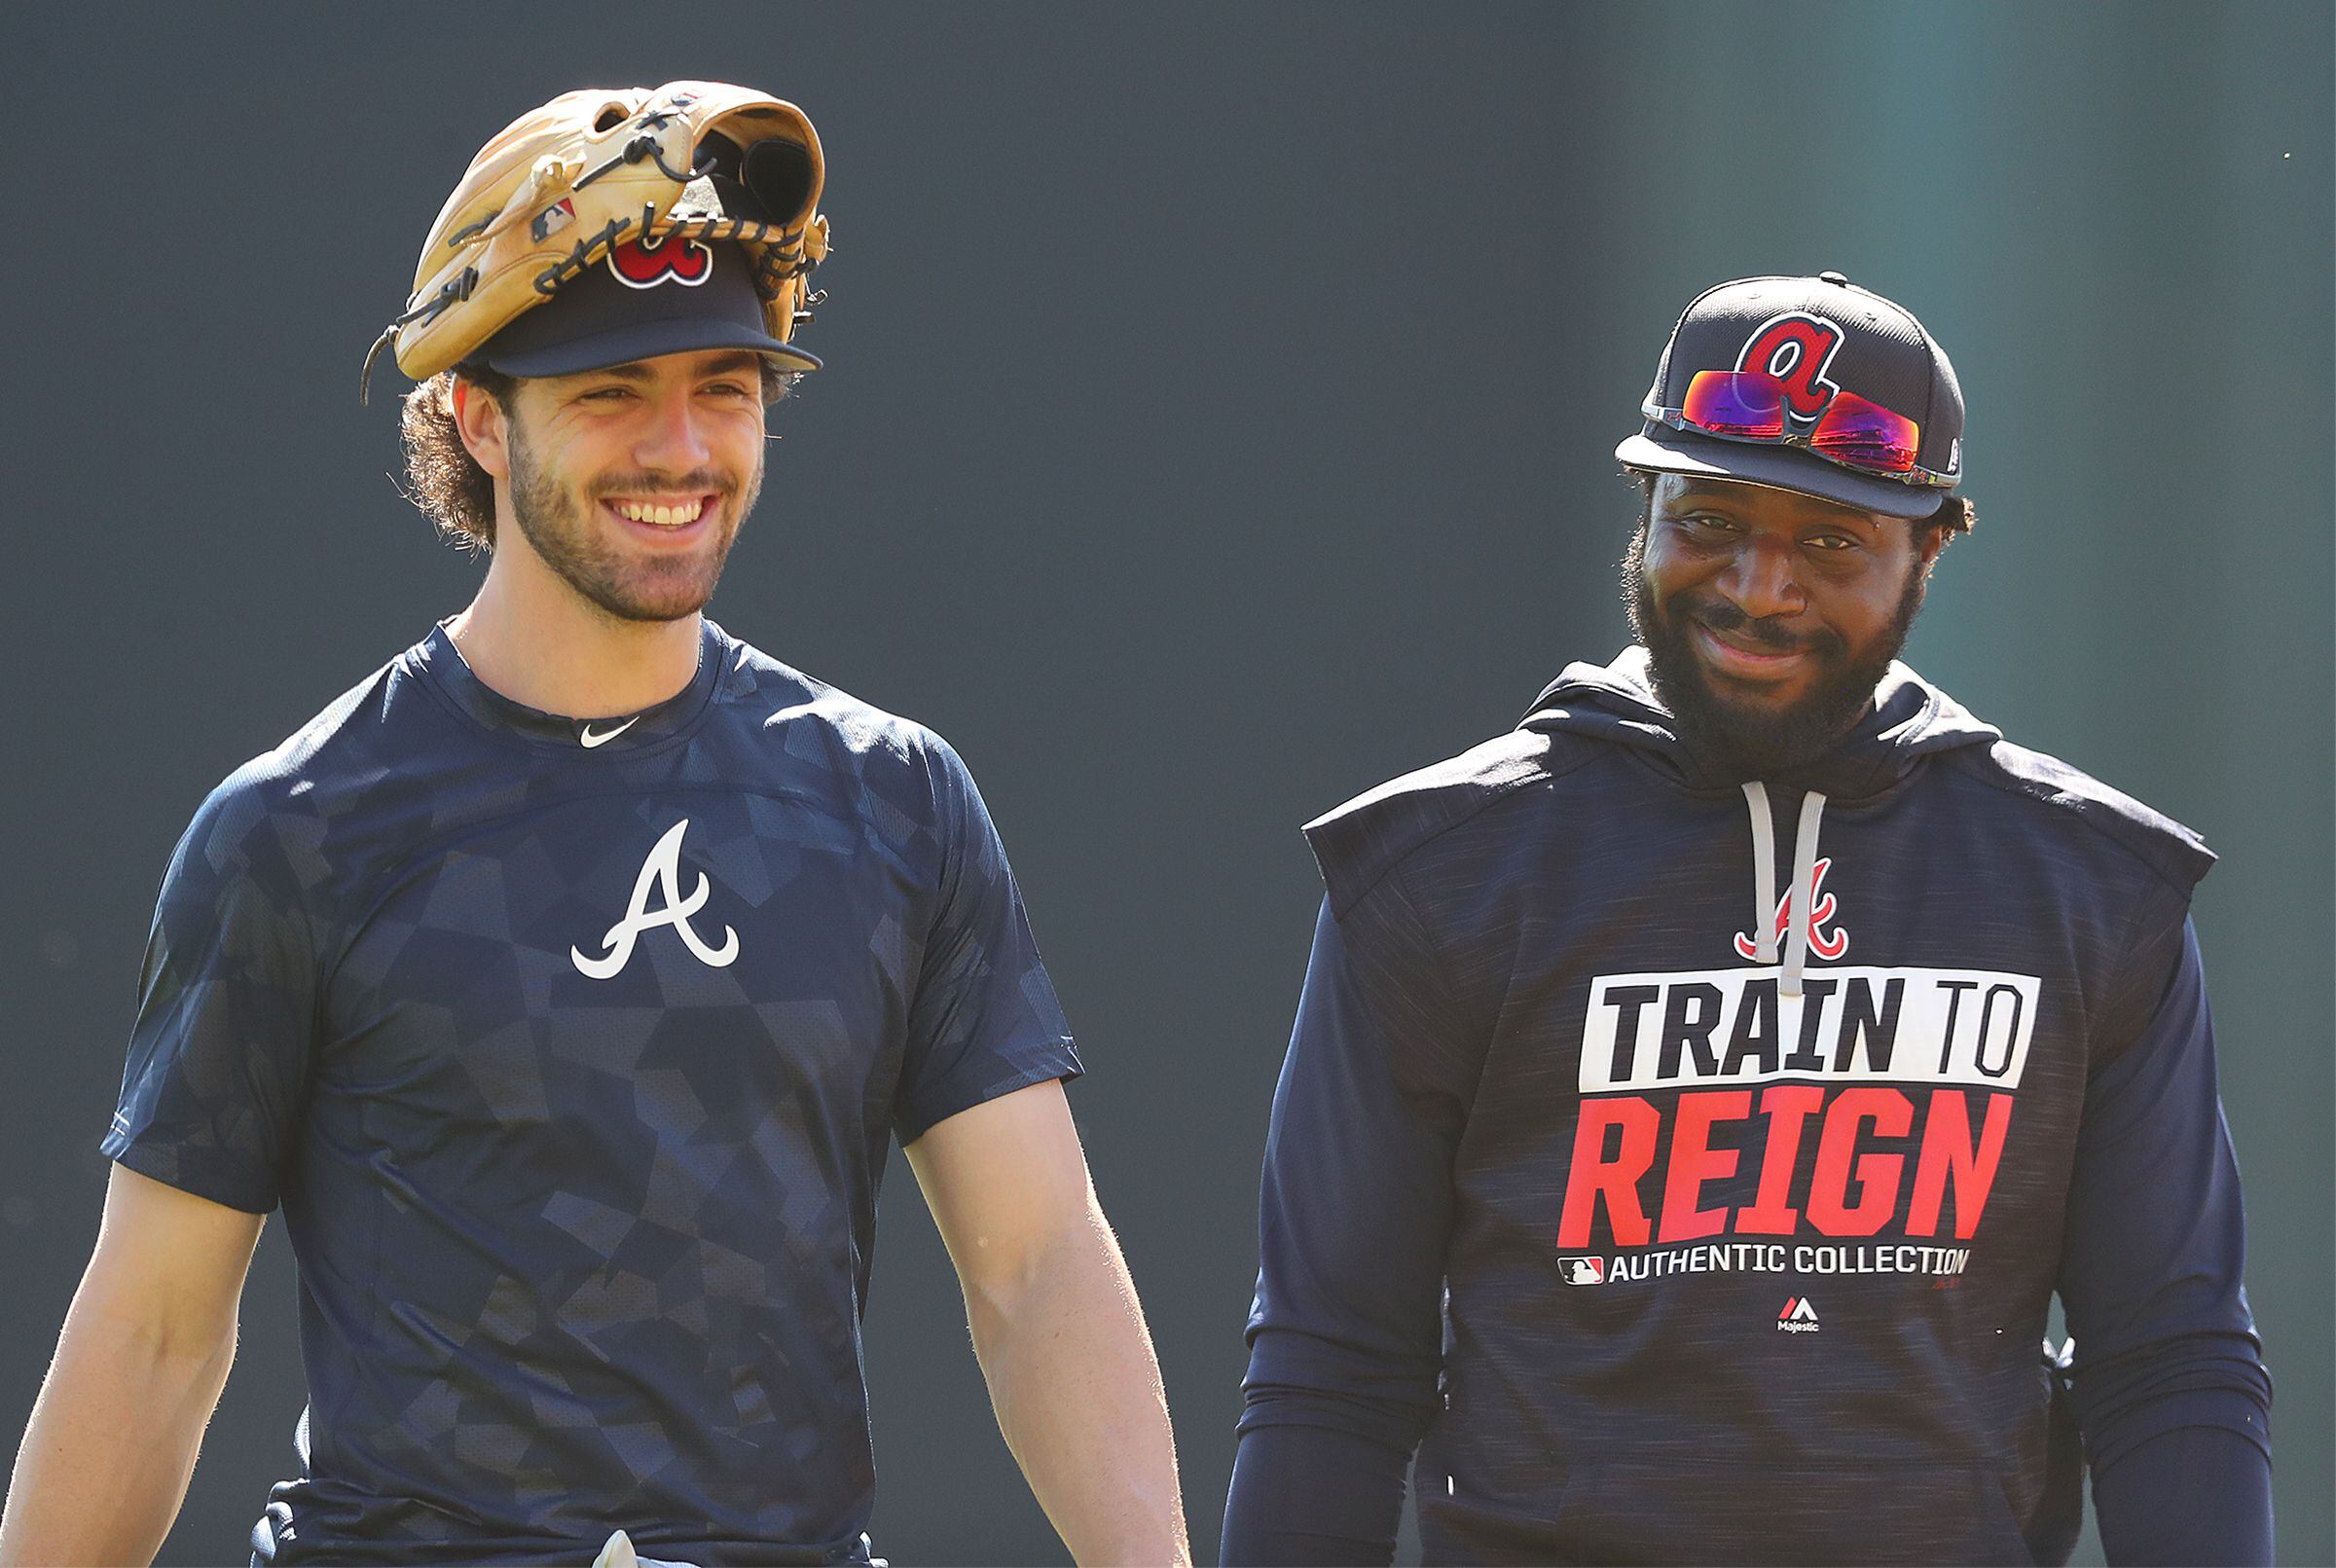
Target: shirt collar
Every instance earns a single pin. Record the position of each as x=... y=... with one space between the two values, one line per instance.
x=439 y=662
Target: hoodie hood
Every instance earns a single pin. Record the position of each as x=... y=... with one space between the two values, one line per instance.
x=1910 y=719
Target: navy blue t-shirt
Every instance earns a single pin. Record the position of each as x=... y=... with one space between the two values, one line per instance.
x=571 y=1051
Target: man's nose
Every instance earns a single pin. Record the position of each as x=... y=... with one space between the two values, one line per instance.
x=1763 y=581
x=674 y=440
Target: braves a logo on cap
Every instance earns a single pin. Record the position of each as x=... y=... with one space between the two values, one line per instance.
x=1797 y=348
x=1828 y=945
x=647 y=263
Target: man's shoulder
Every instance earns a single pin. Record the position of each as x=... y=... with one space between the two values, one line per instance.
x=801 y=709
x=824 y=737
x=2096 y=812
x=273 y=815
x=1356 y=843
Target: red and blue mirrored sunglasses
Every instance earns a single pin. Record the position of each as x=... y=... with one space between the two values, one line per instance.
x=1749 y=405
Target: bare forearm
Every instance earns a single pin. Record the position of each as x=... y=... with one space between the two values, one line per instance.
x=1079 y=1396
x=111 y=1445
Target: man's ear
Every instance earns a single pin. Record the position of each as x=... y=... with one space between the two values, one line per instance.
x=485 y=429
x=1929 y=542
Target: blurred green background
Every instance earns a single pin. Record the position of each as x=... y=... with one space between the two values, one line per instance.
x=1218 y=422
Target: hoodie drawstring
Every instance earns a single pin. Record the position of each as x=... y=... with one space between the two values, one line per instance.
x=1763 y=877
x=1764 y=874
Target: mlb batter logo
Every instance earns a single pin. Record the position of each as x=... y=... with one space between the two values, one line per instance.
x=552 y=219
x=1581 y=1270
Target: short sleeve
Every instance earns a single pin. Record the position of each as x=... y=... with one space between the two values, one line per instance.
x=222 y=1050
x=984 y=1020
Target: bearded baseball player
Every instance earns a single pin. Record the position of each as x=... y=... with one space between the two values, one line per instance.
x=566 y=982
x=1699 y=1093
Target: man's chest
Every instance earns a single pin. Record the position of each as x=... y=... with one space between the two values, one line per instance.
x=745 y=944
x=1654 y=1085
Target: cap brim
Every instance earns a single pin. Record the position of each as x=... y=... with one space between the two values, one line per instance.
x=647 y=340
x=1667 y=450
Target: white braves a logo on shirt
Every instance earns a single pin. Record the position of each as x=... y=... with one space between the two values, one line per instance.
x=661 y=871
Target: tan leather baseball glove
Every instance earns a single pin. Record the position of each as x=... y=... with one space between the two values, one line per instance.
x=552 y=192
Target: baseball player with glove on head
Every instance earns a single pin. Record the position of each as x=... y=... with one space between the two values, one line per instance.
x=567 y=980
x=1699 y=1093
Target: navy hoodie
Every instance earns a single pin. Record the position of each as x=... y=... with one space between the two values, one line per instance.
x=1687 y=1167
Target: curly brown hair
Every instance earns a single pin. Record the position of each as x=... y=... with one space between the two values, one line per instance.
x=443 y=478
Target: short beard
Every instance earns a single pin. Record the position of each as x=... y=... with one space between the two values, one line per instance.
x=1749 y=744
x=658 y=590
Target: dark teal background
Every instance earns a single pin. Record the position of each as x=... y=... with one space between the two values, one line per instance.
x=1218 y=422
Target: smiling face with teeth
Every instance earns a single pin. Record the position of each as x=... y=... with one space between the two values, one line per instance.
x=627 y=484
x=1769 y=616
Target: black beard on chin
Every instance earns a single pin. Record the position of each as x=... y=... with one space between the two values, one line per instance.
x=659 y=590
x=1750 y=743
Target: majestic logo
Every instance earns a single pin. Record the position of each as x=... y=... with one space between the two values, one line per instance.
x=1581 y=1270
x=1828 y=945
x=1797 y=348
x=592 y=738
x=1798 y=1316
x=647 y=263
x=662 y=873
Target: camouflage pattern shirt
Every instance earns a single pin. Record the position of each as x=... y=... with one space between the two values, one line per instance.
x=573 y=1053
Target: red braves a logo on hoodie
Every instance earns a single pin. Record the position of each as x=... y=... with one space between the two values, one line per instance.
x=647 y=263
x=1829 y=945
x=1797 y=348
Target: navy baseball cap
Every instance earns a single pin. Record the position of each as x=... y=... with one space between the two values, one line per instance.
x=641 y=300
x=1821 y=336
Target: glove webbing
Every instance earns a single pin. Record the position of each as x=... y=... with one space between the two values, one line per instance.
x=645 y=145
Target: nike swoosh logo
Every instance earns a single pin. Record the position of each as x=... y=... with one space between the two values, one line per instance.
x=590 y=740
